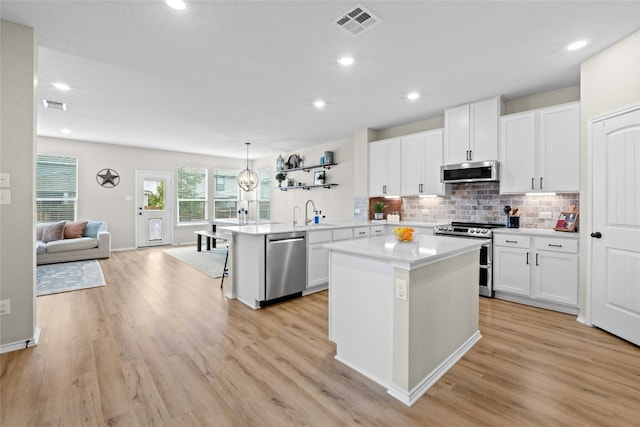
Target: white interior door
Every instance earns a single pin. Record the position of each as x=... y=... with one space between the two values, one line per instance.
x=615 y=243
x=154 y=208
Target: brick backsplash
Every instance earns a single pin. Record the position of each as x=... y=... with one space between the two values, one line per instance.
x=482 y=202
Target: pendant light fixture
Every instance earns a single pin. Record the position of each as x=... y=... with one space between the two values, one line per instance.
x=248 y=179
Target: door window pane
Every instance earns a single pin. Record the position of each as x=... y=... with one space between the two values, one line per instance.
x=154 y=195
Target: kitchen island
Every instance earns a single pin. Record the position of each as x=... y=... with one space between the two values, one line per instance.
x=403 y=313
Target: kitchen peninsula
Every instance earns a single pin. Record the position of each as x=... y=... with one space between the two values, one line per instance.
x=403 y=313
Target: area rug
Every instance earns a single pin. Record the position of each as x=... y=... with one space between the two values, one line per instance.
x=68 y=276
x=210 y=262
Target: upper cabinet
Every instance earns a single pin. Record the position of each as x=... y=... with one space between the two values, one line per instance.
x=540 y=150
x=420 y=164
x=384 y=167
x=471 y=131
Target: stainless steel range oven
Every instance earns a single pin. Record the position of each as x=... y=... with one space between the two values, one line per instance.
x=473 y=230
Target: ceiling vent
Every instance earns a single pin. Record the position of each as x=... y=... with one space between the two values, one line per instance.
x=54 y=105
x=357 y=20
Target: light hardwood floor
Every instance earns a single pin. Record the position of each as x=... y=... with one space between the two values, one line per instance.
x=160 y=345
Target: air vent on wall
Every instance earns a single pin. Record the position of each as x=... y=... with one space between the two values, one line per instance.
x=357 y=20
x=54 y=105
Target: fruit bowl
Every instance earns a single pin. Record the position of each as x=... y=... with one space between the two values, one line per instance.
x=403 y=234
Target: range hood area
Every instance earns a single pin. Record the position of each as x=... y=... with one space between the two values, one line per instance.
x=486 y=171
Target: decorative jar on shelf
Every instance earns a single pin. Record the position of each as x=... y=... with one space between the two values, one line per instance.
x=279 y=163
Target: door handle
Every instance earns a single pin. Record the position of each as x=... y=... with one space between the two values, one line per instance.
x=384 y=189
x=596 y=235
x=527 y=258
x=470 y=155
x=541 y=183
x=532 y=179
x=537 y=259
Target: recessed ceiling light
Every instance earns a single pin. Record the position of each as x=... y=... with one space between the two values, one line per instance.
x=319 y=104
x=346 y=61
x=176 y=4
x=413 y=96
x=61 y=86
x=577 y=45
x=65 y=131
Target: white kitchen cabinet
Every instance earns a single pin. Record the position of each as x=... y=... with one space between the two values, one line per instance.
x=511 y=256
x=384 y=167
x=540 y=150
x=471 y=131
x=361 y=232
x=378 y=230
x=317 y=259
x=556 y=270
x=420 y=165
x=540 y=270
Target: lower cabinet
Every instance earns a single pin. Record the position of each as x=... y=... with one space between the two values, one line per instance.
x=540 y=271
x=317 y=260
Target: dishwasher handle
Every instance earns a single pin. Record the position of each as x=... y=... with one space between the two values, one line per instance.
x=293 y=239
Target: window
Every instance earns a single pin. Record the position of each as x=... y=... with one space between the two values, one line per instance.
x=192 y=194
x=264 y=194
x=225 y=199
x=56 y=188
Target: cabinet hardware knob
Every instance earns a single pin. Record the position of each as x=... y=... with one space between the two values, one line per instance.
x=537 y=259
x=596 y=235
x=532 y=179
x=511 y=241
x=555 y=246
x=541 y=183
x=527 y=258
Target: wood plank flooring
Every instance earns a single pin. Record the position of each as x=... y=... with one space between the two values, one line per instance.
x=161 y=346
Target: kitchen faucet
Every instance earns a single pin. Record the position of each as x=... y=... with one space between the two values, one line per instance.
x=306 y=212
x=294 y=214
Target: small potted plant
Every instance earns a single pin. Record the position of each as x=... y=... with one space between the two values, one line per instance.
x=280 y=177
x=378 y=210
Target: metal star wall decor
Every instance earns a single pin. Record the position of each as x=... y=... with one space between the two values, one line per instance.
x=108 y=178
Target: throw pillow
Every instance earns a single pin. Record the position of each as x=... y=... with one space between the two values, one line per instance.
x=53 y=232
x=74 y=230
x=92 y=229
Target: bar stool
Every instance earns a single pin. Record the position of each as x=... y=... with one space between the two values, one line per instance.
x=225 y=270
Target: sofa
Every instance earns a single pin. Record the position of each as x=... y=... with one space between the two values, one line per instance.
x=72 y=241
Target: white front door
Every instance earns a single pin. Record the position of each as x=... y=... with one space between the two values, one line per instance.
x=615 y=234
x=154 y=208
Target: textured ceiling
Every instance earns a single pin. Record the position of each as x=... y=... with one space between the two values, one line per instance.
x=209 y=78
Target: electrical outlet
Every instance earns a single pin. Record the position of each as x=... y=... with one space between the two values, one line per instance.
x=357 y=210
x=401 y=289
x=5 y=307
x=4 y=180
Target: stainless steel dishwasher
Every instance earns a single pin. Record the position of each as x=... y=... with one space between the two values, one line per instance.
x=286 y=265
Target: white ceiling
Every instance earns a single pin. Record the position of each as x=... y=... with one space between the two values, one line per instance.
x=220 y=73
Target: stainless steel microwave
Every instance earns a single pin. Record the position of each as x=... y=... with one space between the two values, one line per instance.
x=470 y=172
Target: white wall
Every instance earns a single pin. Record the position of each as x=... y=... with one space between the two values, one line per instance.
x=18 y=57
x=111 y=204
x=336 y=203
x=610 y=80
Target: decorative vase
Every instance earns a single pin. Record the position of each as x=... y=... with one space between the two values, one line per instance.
x=378 y=215
x=279 y=163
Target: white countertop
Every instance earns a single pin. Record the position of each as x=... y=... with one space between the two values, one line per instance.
x=423 y=250
x=260 y=228
x=543 y=232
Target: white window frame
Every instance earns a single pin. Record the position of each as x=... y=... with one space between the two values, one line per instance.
x=204 y=199
x=227 y=172
x=65 y=199
x=261 y=197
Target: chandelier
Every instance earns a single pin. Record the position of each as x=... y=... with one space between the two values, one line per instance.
x=248 y=179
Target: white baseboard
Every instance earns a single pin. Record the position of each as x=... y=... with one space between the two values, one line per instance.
x=22 y=344
x=123 y=249
x=584 y=321
x=411 y=397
